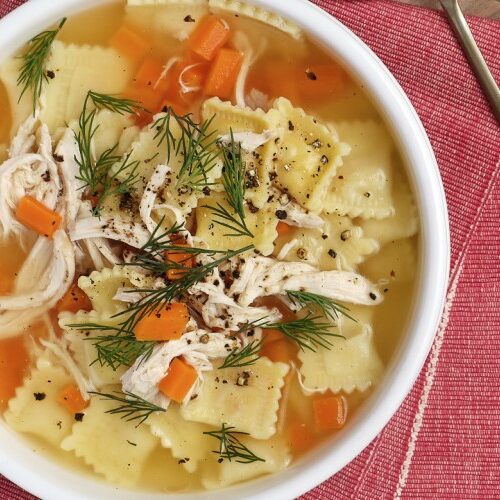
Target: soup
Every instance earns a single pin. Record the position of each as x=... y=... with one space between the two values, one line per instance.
x=209 y=244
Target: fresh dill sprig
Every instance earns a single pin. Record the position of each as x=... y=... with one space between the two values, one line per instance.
x=154 y=300
x=33 y=74
x=231 y=447
x=329 y=307
x=307 y=332
x=117 y=348
x=95 y=172
x=246 y=356
x=151 y=255
x=120 y=105
x=233 y=180
x=132 y=407
x=195 y=146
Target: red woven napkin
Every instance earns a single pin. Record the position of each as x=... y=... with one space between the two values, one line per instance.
x=444 y=442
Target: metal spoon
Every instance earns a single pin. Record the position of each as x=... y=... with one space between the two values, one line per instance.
x=473 y=54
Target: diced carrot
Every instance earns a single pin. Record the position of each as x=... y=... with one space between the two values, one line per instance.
x=177 y=257
x=277 y=78
x=71 y=398
x=148 y=97
x=74 y=300
x=272 y=335
x=167 y=324
x=223 y=74
x=180 y=108
x=130 y=43
x=300 y=436
x=283 y=228
x=35 y=215
x=330 y=412
x=14 y=363
x=321 y=81
x=208 y=37
x=148 y=75
x=178 y=380
x=277 y=351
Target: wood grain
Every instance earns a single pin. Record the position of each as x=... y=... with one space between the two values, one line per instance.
x=483 y=8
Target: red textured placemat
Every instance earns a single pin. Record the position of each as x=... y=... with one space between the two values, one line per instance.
x=444 y=442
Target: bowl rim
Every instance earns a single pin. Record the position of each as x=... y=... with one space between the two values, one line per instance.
x=46 y=479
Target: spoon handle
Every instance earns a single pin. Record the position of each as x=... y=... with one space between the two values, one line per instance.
x=473 y=54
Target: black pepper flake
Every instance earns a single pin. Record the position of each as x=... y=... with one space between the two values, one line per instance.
x=367 y=194
x=332 y=253
x=79 y=416
x=324 y=159
x=386 y=290
x=281 y=214
x=253 y=209
x=58 y=158
x=236 y=274
x=311 y=75
x=302 y=253
x=272 y=176
x=39 y=396
x=290 y=126
x=206 y=191
x=127 y=202
x=189 y=19
x=372 y=296
x=345 y=235
x=220 y=460
x=51 y=74
x=46 y=176
x=324 y=236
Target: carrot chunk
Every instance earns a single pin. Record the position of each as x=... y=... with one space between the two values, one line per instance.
x=277 y=351
x=178 y=380
x=181 y=258
x=300 y=436
x=330 y=412
x=283 y=228
x=74 y=300
x=209 y=36
x=148 y=97
x=71 y=398
x=14 y=363
x=167 y=324
x=148 y=75
x=321 y=81
x=35 y=215
x=223 y=73
x=129 y=43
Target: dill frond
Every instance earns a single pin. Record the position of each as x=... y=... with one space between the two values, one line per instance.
x=195 y=146
x=96 y=173
x=33 y=75
x=131 y=407
x=329 y=307
x=246 y=356
x=307 y=332
x=230 y=447
x=233 y=180
x=116 y=348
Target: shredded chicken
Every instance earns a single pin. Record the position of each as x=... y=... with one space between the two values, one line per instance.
x=249 y=141
x=146 y=206
x=54 y=281
x=261 y=276
x=115 y=228
x=197 y=346
x=33 y=174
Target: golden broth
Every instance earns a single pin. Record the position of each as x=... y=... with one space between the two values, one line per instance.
x=347 y=102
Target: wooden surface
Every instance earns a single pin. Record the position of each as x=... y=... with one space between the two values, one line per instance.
x=484 y=8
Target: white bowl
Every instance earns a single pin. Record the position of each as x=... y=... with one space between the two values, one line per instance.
x=50 y=480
